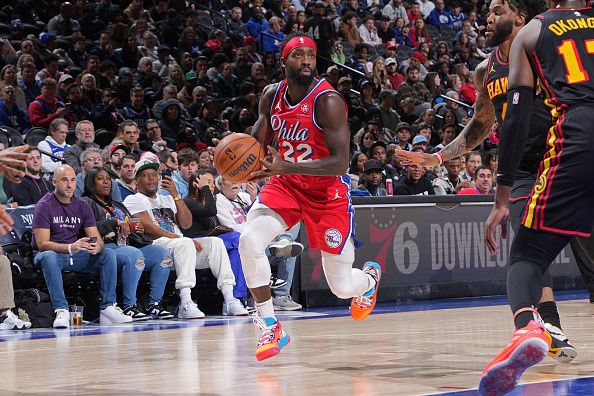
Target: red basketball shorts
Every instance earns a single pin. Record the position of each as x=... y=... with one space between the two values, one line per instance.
x=323 y=203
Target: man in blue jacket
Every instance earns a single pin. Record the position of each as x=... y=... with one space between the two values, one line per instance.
x=11 y=114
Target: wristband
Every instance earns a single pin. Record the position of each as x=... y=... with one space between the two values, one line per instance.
x=132 y=227
x=440 y=157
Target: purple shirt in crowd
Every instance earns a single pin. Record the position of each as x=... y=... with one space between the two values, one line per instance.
x=65 y=222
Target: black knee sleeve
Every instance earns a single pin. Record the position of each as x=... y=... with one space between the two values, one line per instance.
x=547 y=279
x=537 y=247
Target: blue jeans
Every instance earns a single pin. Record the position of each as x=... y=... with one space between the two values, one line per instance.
x=231 y=240
x=52 y=265
x=132 y=261
x=286 y=265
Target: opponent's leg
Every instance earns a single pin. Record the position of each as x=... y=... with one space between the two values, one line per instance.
x=263 y=226
x=347 y=282
x=531 y=254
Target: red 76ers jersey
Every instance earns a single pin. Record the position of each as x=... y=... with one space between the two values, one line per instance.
x=299 y=136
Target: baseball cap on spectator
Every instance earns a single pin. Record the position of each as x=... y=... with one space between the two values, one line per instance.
x=344 y=79
x=390 y=61
x=372 y=165
x=419 y=139
x=364 y=82
x=249 y=40
x=386 y=92
x=419 y=56
x=145 y=164
x=163 y=48
x=118 y=146
x=190 y=76
x=377 y=144
x=46 y=36
x=149 y=155
x=65 y=77
x=171 y=102
x=385 y=18
x=319 y=4
x=331 y=68
x=16 y=24
x=124 y=71
x=403 y=125
x=391 y=44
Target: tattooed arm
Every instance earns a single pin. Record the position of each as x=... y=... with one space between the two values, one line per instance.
x=477 y=129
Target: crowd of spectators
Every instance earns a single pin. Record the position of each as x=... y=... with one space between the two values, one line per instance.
x=110 y=87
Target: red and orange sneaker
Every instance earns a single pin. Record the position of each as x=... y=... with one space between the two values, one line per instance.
x=272 y=338
x=529 y=345
x=362 y=306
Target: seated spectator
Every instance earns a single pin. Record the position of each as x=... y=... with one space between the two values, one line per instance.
x=372 y=180
x=8 y=320
x=137 y=110
x=483 y=182
x=8 y=77
x=378 y=151
x=199 y=96
x=368 y=32
x=420 y=142
x=55 y=144
x=416 y=59
x=126 y=183
x=390 y=118
x=408 y=114
x=63 y=82
x=105 y=114
x=75 y=110
x=394 y=77
x=427 y=131
x=403 y=134
x=46 y=107
x=64 y=25
x=11 y=114
x=168 y=160
x=385 y=32
x=348 y=28
x=104 y=50
x=115 y=226
x=124 y=85
x=112 y=156
x=201 y=203
x=187 y=161
x=51 y=70
x=368 y=137
x=415 y=182
x=60 y=249
x=33 y=185
x=272 y=44
x=85 y=137
x=28 y=83
x=451 y=183
x=162 y=216
x=447 y=133
x=171 y=123
x=226 y=84
x=91 y=158
x=415 y=89
x=128 y=135
x=153 y=141
x=366 y=90
x=189 y=83
x=90 y=94
x=474 y=160
x=356 y=170
x=439 y=16
x=394 y=9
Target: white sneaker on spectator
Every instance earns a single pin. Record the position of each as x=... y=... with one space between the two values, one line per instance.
x=285 y=248
x=285 y=303
x=113 y=315
x=62 y=320
x=189 y=310
x=12 y=322
x=234 y=308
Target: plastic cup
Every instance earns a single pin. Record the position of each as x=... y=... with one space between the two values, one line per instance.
x=76 y=315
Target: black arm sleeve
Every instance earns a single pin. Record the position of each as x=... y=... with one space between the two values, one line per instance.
x=514 y=133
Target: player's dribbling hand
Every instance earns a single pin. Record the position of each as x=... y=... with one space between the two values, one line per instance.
x=499 y=216
x=270 y=167
x=409 y=158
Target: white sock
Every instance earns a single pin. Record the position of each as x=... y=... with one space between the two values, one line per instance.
x=185 y=295
x=266 y=311
x=227 y=291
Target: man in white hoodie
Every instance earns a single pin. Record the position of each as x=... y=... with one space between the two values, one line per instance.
x=55 y=144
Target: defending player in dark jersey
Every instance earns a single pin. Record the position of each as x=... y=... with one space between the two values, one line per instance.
x=308 y=120
x=558 y=48
x=491 y=78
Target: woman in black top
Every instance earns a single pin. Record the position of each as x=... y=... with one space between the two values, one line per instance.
x=202 y=204
x=114 y=225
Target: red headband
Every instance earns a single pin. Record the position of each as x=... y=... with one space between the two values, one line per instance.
x=297 y=42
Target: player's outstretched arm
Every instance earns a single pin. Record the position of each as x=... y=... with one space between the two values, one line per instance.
x=262 y=130
x=477 y=129
x=332 y=117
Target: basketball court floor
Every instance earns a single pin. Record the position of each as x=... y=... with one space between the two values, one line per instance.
x=418 y=348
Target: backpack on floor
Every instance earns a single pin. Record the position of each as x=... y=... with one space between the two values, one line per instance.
x=37 y=305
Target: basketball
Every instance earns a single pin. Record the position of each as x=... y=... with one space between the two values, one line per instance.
x=237 y=156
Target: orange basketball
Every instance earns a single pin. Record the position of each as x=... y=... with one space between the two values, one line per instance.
x=237 y=156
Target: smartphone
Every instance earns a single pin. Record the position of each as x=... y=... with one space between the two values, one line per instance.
x=166 y=172
x=92 y=240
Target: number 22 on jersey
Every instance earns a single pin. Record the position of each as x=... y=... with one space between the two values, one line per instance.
x=575 y=69
x=299 y=153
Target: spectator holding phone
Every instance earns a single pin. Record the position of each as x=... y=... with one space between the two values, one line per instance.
x=58 y=219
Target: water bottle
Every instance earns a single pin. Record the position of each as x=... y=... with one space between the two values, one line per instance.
x=389 y=188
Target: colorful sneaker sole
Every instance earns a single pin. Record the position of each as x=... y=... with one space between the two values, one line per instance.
x=358 y=313
x=267 y=352
x=504 y=376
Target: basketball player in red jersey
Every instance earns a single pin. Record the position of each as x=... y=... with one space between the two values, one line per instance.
x=308 y=119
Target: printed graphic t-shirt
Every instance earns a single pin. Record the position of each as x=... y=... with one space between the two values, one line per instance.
x=65 y=221
x=161 y=209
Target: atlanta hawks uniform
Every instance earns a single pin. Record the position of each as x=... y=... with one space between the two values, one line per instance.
x=323 y=202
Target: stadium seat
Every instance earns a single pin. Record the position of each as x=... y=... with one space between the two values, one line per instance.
x=103 y=137
x=35 y=135
x=10 y=137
